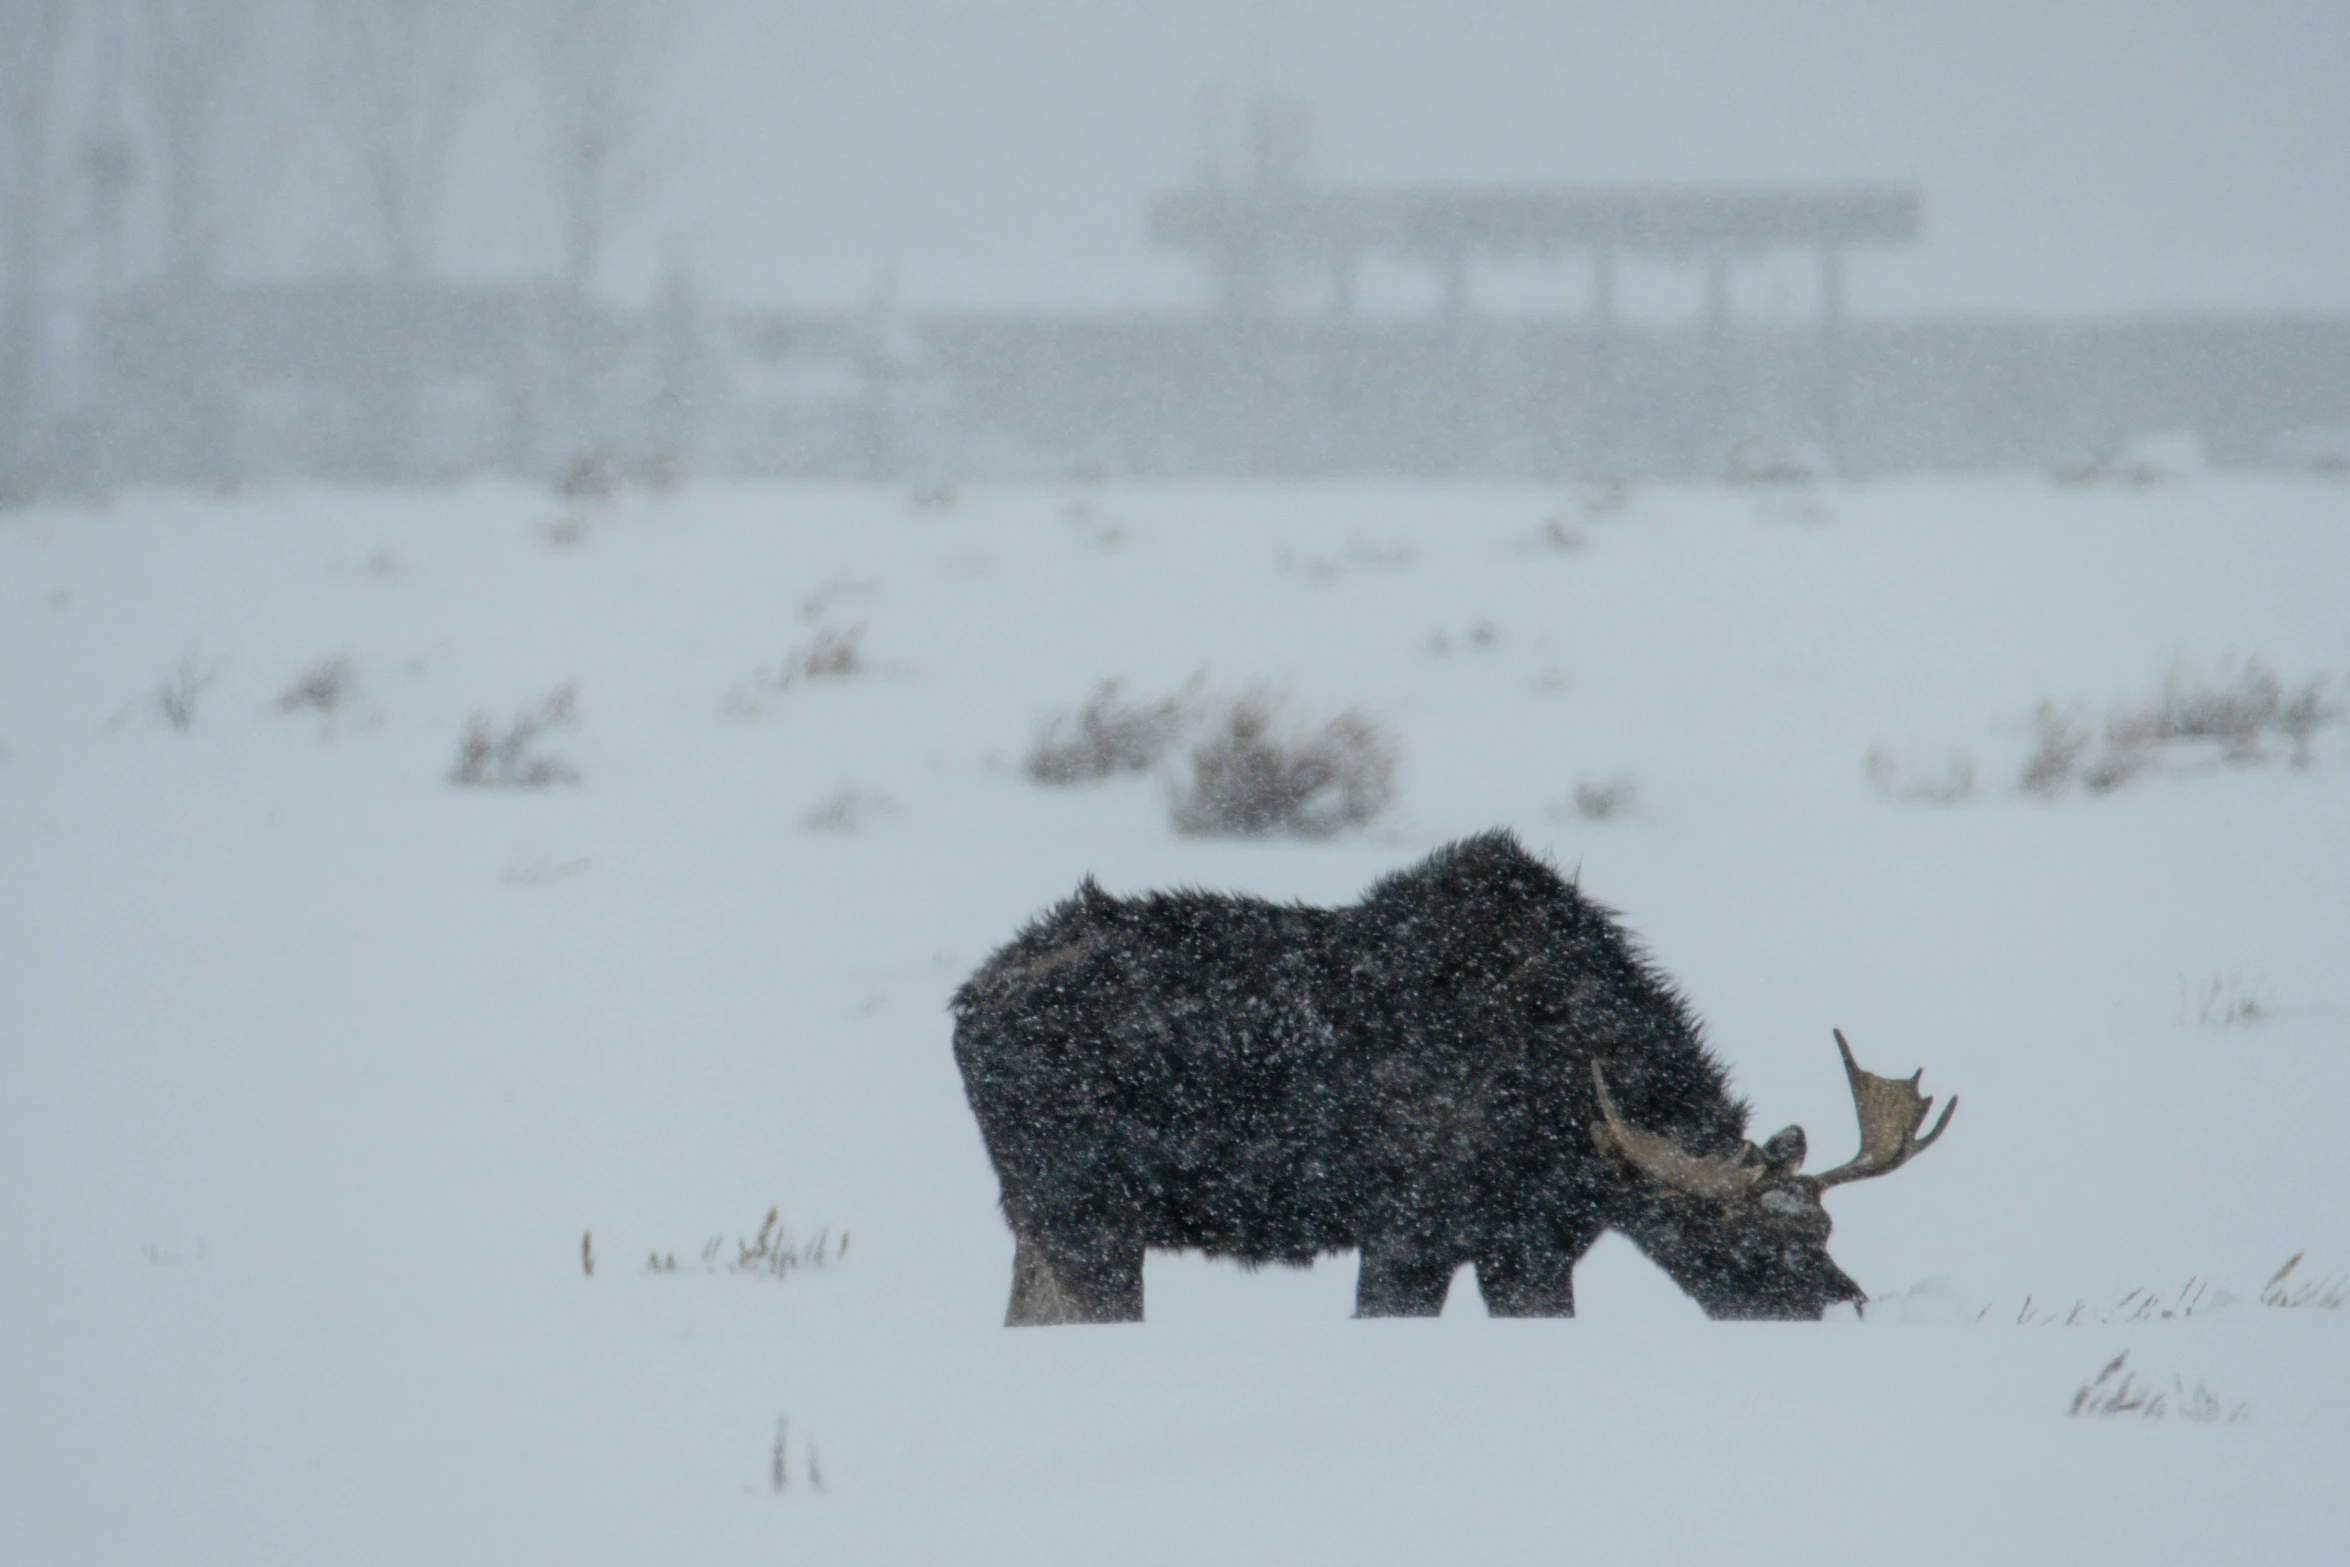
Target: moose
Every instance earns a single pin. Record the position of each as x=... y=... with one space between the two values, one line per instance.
x=1472 y=1064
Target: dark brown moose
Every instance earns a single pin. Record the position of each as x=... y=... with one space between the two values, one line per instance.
x=1472 y=1065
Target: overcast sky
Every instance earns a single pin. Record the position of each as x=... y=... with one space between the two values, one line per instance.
x=2072 y=156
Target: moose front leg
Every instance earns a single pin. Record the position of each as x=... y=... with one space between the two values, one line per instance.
x=1399 y=1278
x=1104 y=1284
x=1533 y=1277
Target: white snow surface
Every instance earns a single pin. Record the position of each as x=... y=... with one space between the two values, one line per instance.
x=314 y=1068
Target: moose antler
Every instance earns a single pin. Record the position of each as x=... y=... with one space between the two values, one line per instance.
x=1891 y=1110
x=1662 y=1159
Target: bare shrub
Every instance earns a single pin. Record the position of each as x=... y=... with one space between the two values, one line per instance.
x=2234 y=711
x=2231 y=713
x=2324 y=1294
x=2302 y=714
x=833 y=655
x=1109 y=736
x=588 y=477
x=821 y=603
x=1482 y=637
x=324 y=688
x=1956 y=781
x=830 y=655
x=177 y=694
x=2060 y=740
x=2116 y=1391
x=2196 y=1297
x=595 y=477
x=1249 y=779
x=1597 y=800
x=567 y=532
x=492 y=758
x=2117 y=765
x=846 y=810
x=772 y=1253
x=2222 y=1001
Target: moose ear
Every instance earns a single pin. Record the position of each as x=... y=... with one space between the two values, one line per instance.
x=1785 y=1151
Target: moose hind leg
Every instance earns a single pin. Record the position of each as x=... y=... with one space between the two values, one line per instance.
x=1038 y=1298
x=1400 y=1279
x=1529 y=1280
x=1102 y=1285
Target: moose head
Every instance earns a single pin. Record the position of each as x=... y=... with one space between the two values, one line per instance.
x=1747 y=1237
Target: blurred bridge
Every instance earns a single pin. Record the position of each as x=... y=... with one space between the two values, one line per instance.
x=1252 y=236
x=1279 y=370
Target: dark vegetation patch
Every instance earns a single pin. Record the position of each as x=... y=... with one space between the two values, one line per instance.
x=1235 y=766
x=325 y=687
x=514 y=756
x=2242 y=714
x=1110 y=735
x=1254 y=775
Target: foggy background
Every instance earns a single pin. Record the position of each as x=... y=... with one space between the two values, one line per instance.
x=408 y=239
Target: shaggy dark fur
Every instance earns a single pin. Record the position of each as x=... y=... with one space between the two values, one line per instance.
x=1410 y=1076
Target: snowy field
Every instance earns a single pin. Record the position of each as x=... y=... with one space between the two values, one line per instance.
x=315 y=1068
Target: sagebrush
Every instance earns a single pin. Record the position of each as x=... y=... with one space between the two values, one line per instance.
x=2242 y=714
x=1253 y=775
x=847 y=809
x=324 y=687
x=830 y=655
x=513 y=757
x=1600 y=799
x=1110 y=735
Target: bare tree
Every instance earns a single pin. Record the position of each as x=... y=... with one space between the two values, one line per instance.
x=203 y=72
x=600 y=64
x=395 y=79
x=32 y=44
x=203 y=69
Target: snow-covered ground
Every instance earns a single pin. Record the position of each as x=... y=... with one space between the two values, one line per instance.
x=314 y=1069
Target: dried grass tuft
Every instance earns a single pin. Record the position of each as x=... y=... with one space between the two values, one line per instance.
x=178 y=693
x=2116 y=1391
x=772 y=1253
x=2287 y=1293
